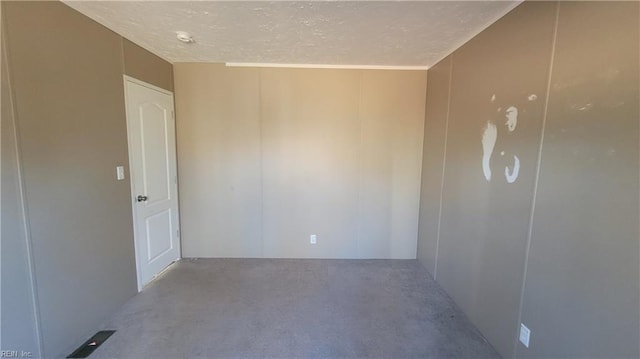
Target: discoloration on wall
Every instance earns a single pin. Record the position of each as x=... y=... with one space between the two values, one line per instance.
x=512 y=118
x=489 y=138
x=511 y=174
x=580 y=234
x=488 y=183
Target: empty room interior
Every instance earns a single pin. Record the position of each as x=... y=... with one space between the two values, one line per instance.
x=322 y=179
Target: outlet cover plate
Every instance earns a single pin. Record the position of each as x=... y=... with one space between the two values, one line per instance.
x=525 y=333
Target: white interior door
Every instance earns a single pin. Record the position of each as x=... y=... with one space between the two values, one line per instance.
x=152 y=161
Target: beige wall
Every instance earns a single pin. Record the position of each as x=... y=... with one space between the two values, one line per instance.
x=219 y=151
x=267 y=157
x=66 y=75
x=143 y=65
x=433 y=161
x=484 y=224
x=18 y=324
x=558 y=248
x=582 y=289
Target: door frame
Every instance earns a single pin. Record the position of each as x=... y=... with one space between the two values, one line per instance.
x=126 y=79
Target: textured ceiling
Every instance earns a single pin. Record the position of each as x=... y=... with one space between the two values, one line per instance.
x=381 y=33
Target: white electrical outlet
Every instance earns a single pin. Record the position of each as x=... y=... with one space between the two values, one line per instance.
x=525 y=333
x=313 y=239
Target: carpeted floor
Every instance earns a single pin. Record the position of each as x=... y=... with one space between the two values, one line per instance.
x=284 y=308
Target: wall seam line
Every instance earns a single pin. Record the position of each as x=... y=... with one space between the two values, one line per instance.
x=537 y=178
x=261 y=162
x=35 y=299
x=1 y=69
x=444 y=164
x=421 y=164
x=122 y=61
x=360 y=169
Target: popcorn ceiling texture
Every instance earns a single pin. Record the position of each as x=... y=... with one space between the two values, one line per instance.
x=331 y=33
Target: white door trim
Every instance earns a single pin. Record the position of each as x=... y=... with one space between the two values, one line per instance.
x=130 y=79
x=145 y=84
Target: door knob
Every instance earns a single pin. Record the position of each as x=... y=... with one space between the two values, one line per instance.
x=142 y=198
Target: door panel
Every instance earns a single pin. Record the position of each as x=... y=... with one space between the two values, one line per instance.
x=155 y=160
x=158 y=227
x=151 y=131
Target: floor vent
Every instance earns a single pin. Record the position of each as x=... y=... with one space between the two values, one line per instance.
x=92 y=344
